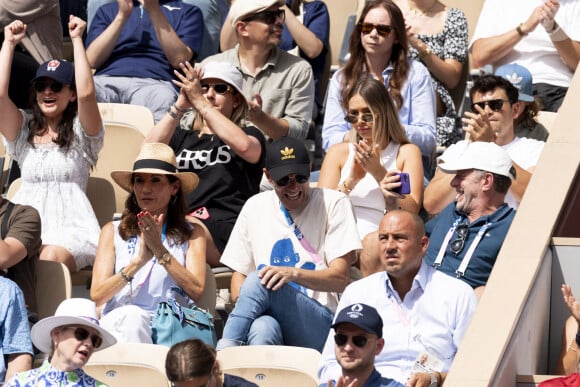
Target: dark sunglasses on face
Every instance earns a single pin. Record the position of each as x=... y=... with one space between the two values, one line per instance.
x=494 y=104
x=219 y=88
x=354 y=118
x=268 y=17
x=359 y=341
x=382 y=29
x=81 y=334
x=40 y=86
x=286 y=180
x=456 y=246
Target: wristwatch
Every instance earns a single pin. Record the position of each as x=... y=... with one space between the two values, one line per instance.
x=434 y=382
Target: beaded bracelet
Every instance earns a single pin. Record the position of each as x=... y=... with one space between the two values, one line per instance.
x=125 y=276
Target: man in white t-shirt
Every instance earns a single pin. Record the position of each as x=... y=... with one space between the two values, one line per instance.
x=541 y=35
x=291 y=249
x=494 y=108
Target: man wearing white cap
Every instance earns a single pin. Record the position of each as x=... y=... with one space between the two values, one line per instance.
x=278 y=85
x=494 y=108
x=465 y=238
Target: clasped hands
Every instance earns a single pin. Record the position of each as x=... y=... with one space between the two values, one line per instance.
x=151 y=229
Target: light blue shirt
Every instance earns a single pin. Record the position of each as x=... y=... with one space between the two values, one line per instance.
x=433 y=318
x=417 y=114
x=14 y=328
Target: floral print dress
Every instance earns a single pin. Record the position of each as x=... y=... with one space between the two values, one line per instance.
x=46 y=375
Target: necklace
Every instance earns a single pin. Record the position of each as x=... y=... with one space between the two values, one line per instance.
x=418 y=11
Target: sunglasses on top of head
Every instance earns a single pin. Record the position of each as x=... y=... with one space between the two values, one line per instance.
x=81 y=334
x=382 y=29
x=286 y=180
x=268 y=17
x=219 y=88
x=494 y=104
x=41 y=85
x=359 y=340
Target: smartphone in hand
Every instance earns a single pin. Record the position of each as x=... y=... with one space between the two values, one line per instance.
x=405 y=187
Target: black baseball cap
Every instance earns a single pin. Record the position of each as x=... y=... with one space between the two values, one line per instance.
x=286 y=156
x=363 y=316
x=58 y=70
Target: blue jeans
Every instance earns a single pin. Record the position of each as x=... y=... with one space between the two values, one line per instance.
x=284 y=316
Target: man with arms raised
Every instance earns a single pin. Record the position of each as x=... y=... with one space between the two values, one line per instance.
x=425 y=313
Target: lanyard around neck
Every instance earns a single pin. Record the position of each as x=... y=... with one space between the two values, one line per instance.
x=299 y=235
x=460 y=272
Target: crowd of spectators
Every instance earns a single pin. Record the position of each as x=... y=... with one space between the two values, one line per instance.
x=383 y=262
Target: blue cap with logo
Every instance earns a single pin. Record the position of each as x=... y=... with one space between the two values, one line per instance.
x=58 y=70
x=520 y=77
x=363 y=316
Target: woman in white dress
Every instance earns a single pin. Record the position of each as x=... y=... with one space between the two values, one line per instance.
x=55 y=146
x=366 y=168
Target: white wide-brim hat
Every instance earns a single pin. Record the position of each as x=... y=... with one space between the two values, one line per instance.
x=73 y=311
x=156 y=158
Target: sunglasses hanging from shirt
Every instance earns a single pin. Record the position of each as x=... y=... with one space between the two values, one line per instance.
x=456 y=246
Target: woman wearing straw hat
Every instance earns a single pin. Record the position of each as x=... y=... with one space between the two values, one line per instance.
x=227 y=156
x=152 y=251
x=70 y=336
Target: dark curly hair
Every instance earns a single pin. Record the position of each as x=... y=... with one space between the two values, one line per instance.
x=177 y=227
x=37 y=125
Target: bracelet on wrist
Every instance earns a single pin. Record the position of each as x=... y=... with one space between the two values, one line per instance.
x=520 y=31
x=174 y=115
x=425 y=53
x=164 y=259
x=125 y=276
x=182 y=111
x=344 y=188
x=557 y=34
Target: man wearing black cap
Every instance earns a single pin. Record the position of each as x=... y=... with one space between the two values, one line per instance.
x=291 y=248
x=359 y=338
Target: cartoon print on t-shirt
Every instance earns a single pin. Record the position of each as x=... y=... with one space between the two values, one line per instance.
x=283 y=254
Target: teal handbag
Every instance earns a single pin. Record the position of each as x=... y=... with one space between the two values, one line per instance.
x=174 y=323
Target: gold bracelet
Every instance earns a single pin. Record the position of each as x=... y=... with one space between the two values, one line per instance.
x=164 y=259
x=425 y=53
x=345 y=187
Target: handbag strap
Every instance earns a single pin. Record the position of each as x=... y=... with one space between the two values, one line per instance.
x=299 y=235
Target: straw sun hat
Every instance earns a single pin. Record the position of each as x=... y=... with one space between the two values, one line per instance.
x=156 y=158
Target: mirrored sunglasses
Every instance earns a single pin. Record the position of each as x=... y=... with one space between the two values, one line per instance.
x=81 y=334
x=286 y=180
x=41 y=85
x=494 y=104
x=359 y=341
x=382 y=29
x=268 y=17
x=354 y=118
x=219 y=88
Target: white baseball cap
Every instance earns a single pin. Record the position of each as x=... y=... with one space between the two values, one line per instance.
x=241 y=9
x=485 y=156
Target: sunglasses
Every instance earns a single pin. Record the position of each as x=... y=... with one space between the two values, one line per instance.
x=40 y=86
x=456 y=246
x=286 y=180
x=382 y=29
x=268 y=17
x=494 y=104
x=359 y=341
x=219 y=88
x=81 y=334
x=354 y=118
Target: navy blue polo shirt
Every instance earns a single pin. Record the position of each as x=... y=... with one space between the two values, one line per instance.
x=485 y=253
